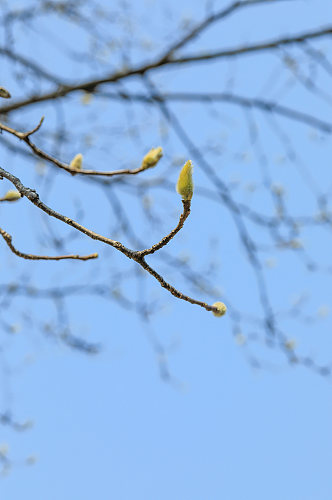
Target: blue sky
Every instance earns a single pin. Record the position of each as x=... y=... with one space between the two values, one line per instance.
x=107 y=426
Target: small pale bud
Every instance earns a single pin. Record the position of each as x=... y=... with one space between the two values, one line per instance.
x=185 y=186
x=86 y=98
x=76 y=163
x=4 y=449
x=221 y=309
x=290 y=344
x=31 y=460
x=152 y=157
x=4 y=93
x=12 y=195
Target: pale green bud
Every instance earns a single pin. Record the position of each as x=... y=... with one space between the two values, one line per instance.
x=221 y=309
x=76 y=163
x=12 y=195
x=4 y=449
x=185 y=186
x=152 y=157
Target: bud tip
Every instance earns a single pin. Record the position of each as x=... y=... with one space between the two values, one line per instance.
x=220 y=309
x=185 y=185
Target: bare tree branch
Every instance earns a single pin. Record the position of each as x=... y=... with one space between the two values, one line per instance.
x=91 y=85
x=131 y=254
x=25 y=137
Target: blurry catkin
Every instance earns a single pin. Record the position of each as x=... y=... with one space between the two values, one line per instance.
x=221 y=309
x=12 y=195
x=185 y=186
x=76 y=163
x=152 y=157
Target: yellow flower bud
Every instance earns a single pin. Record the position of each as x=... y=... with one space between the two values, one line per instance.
x=221 y=309
x=152 y=157
x=76 y=163
x=185 y=186
x=12 y=195
x=86 y=98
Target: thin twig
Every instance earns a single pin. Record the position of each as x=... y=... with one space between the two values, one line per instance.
x=200 y=27
x=166 y=239
x=259 y=47
x=28 y=63
x=173 y=290
x=8 y=239
x=230 y=98
x=25 y=137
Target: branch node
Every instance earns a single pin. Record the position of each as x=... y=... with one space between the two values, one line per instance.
x=26 y=135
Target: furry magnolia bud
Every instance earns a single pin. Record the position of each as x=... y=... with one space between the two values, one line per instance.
x=76 y=163
x=185 y=186
x=12 y=195
x=152 y=157
x=220 y=309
